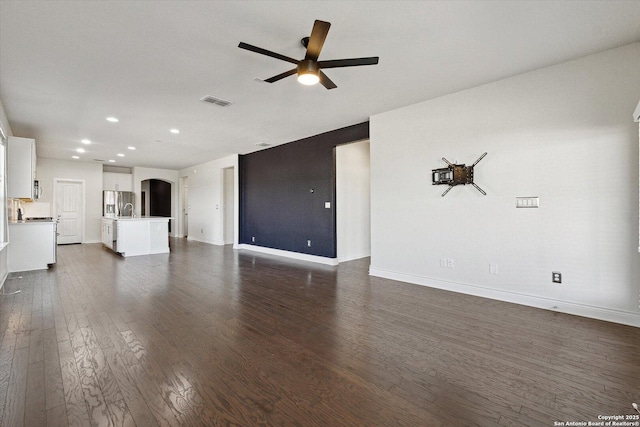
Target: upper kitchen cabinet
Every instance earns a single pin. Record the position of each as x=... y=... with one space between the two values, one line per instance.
x=113 y=181
x=21 y=168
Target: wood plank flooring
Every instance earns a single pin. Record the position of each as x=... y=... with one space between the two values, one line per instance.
x=208 y=336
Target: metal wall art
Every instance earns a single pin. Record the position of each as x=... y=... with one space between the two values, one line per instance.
x=455 y=175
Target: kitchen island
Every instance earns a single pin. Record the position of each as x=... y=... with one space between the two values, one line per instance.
x=136 y=236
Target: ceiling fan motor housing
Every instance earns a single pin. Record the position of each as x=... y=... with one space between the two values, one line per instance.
x=308 y=66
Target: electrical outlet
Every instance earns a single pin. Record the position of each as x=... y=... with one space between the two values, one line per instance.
x=447 y=263
x=201 y=230
x=556 y=277
x=253 y=239
x=309 y=243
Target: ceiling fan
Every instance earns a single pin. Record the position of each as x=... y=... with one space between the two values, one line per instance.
x=309 y=69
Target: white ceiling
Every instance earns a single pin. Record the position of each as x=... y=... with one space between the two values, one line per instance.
x=67 y=65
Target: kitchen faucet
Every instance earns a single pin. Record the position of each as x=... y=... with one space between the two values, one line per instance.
x=133 y=214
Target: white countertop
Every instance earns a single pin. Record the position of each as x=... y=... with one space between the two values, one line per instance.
x=31 y=222
x=138 y=218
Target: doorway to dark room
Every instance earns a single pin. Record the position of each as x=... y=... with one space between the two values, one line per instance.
x=157 y=198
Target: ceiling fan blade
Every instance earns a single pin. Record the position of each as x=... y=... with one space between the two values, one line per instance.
x=266 y=52
x=353 y=62
x=326 y=81
x=316 y=40
x=281 y=76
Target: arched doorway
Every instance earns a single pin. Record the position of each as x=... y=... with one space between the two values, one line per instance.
x=156 y=198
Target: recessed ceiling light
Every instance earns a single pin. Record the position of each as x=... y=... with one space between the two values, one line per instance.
x=131 y=148
x=112 y=161
x=80 y=150
x=112 y=119
x=174 y=130
x=120 y=155
x=86 y=141
x=75 y=157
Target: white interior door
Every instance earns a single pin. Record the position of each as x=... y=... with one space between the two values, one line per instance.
x=69 y=211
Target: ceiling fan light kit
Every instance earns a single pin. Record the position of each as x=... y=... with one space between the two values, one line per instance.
x=309 y=69
x=308 y=72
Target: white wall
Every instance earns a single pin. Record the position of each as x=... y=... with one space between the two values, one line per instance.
x=229 y=208
x=91 y=173
x=563 y=133
x=206 y=199
x=145 y=187
x=140 y=174
x=636 y=117
x=353 y=207
x=4 y=270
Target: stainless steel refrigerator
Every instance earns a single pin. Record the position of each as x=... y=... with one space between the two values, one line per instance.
x=114 y=203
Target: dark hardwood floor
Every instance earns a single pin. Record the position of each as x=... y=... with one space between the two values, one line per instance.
x=208 y=336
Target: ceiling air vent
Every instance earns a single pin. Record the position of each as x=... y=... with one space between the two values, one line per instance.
x=217 y=101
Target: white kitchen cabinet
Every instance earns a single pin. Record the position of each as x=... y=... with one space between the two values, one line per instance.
x=21 y=167
x=113 y=181
x=32 y=245
x=107 y=232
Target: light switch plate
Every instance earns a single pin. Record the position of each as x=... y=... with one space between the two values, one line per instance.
x=527 y=202
x=327 y=205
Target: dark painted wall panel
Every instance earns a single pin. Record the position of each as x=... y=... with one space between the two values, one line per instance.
x=277 y=206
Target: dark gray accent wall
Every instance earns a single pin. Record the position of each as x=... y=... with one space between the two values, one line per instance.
x=283 y=191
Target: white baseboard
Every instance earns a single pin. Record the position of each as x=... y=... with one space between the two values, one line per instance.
x=4 y=273
x=600 y=313
x=209 y=242
x=288 y=254
x=4 y=279
x=353 y=256
x=195 y=239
